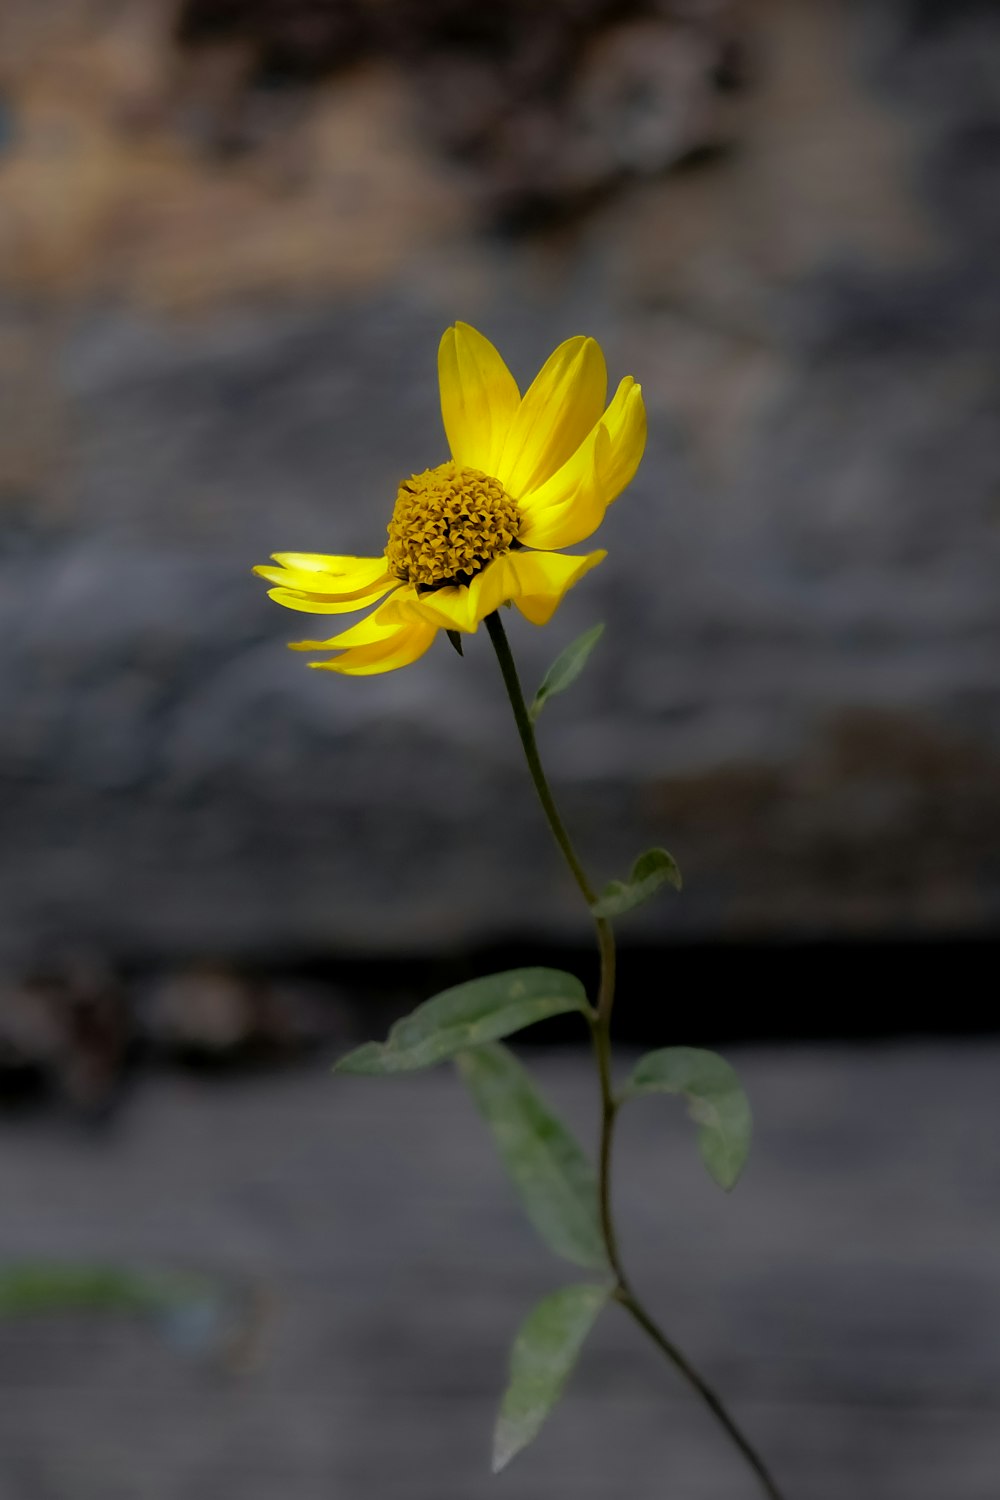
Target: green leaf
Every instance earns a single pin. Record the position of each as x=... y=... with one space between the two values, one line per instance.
x=195 y=1312
x=466 y=1016
x=565 y=669
x=40 y=1287
x=651 y=870
x=552 y=1176
x=544 y=1353
x=716 y=1098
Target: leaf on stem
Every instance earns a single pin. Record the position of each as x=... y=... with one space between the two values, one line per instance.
x=651 y=870
x=565 y=669
x=542 y=1358
x=467 y=1016
x=552 y=1176
x=716 y=1102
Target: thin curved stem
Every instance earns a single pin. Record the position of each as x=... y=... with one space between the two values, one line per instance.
x=631 y=1303
x=601 y=1036
x=600 y=1025
x=526 y=730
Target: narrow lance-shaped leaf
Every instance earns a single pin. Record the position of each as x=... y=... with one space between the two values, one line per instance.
x=552 y=1176
x=651 y=870
x=541 y=1360
x=466 y=1016
x=41 y=1286
x=195 y=1312
x=716 y=1101
x=565 y=669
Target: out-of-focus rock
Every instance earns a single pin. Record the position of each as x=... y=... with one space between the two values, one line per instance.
x=546 y=105
x=69 y=1029
x=210 y=1013
x=118 y=177
x=299 y=38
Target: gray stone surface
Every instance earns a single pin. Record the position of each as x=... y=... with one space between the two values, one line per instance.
x=797 y=692
x=845 y=1299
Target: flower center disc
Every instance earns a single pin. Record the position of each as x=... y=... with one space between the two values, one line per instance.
x=447 y=524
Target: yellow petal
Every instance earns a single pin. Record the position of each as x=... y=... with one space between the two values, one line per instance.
x=449 y=608
x=497 y=583
x=625 y=422
x=329 y=577
x=458 y=606
x=366 y=632
x=544 y=577
x=559 y=409
x=578 y=510
x=570 y=506
x=445 y=609
x=357 y=572
x=406 y=643
x=479 y=397
x=317 y=604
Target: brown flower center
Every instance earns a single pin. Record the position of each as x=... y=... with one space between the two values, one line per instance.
x=447 y=524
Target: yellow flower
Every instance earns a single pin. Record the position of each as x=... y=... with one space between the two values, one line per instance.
x=527 y=476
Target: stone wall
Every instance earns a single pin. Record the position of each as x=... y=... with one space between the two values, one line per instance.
x=219 y=308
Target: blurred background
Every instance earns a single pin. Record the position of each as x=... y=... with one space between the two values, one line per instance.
x=231 y=233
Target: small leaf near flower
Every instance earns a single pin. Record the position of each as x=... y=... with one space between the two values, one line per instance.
x=716 y=1101
x=565 y=669
x=542 y=1358
x=467 y=1016
x=551 y=1174
x=651 y=870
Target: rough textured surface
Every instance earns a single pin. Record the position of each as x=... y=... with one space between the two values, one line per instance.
x=204 y=360
x=846 y=1298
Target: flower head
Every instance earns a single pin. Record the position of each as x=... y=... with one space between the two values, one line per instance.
x=528 y=475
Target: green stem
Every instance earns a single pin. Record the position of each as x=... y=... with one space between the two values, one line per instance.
x=600 y=1025
x=631 y=1303
x=526 y=730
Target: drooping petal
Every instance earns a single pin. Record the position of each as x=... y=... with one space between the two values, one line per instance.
x=494 y=586
x=356 y=572
x=366 y=632
x=406 y=644
x=322 y=604
x=462 y=606
x=379 y=643
x=448 y=608
x=479 y=397
x=459 y=606
x=571 y=504
x=557 y=412
x=319 y=584
x=544 y=577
